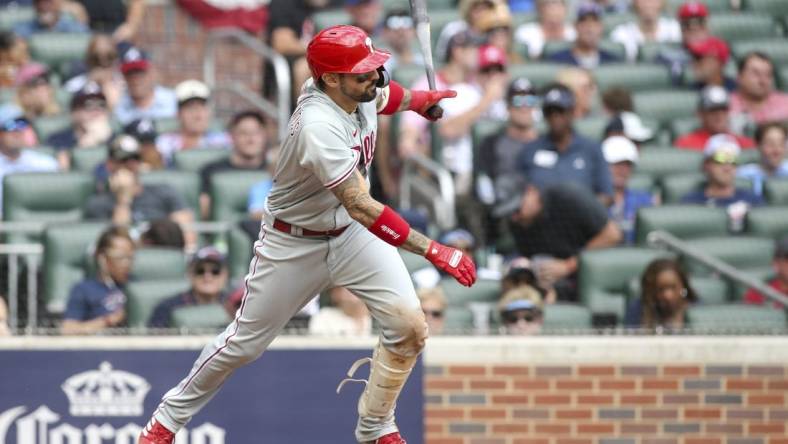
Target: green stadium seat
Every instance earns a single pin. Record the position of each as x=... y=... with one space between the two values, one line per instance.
x=604 y=276
x=408 y=74
x=239 y=253
x=521 y=18
x=186 y=183
x=776 y=48
x=734 y=27
x=457 y=321
x=782 y=75
x=749 y=156
x=683 y=125
x=672 y=6
x=87 y=159
x=610 y=21
x=683 y=221
x=484 y=128
x=642 y=182
x=552 y=47
x=660 y=162
x=330 y=17
x=635 y=77
x=760 y=274
x=230 y=193
x=13 y=15
x=774 y=8
x=207 y=316
x=776 y=191
x=66 y=250
x=736 y=319
x=566 y=317
x=143 y=296
x=413 y=262
x=649 y=51
x=156 y=263
x=45 y=126
x=711 y=290
x=434 y=5
x=166 y=125
x=540 y=74
x=767 y=221
x=676 y=186
x=195 y=160
x=484 y=290
x=741 y=252
x=438 y=20
x=58 y=50
x=592 y=127
x=665 y=105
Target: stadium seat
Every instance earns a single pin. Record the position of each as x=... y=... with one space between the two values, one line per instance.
x=683 y=221
x=782 y=77
x=239 y=253
x=566 y=317
x=660 y=162
x=66 y=250
x=484 y=290
x=186 y=183
x=45 y=197
x=711 y=290
x=439 y=19
x=230 y=193
x=760 y=274
x=610 y=21
x=433 y=5
x=554 y=46
x=676 y=186
x=749 y=156
x=642 y=182
x=143 y=296
x=604 y=275
x=155 y=263
x=635 y=77
x=330 y=17
x=86 y=159
x=776 y=48
x=767 y=221
x=413 y=262
x=734 y=27
x=521 y=18
x=776 y=191
x=195 y=160
x=774 y=8
x=58 y=50
x=407 y=75
x=740 y=252
x=457 y=321
x=736 y=319
x=683 y=125
x=45 y=126
x=540 y=74
x=484 y=128
x=207 y=316
x=649 y=51
x=592 y=127
x=665 y=105
x=14 y=15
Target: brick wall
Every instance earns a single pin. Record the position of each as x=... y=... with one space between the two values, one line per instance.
x=606 y=404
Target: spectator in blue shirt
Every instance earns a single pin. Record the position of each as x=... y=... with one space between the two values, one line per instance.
x=585 y=52
x=719 y=165
x=622 y=156
x=771 y=139
x=50 y=17
x=562 y=155
x=208 y=274
x=99 y=302
x=143 y=97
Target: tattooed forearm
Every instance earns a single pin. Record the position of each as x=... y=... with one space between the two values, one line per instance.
x=403 y=106
x=354 y=196
x=416 y=243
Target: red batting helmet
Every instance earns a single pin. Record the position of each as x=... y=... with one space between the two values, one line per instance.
x=343 y=49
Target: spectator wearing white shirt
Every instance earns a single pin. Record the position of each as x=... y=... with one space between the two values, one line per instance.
x=650 y=26
x=144 y=98
x=552 y=26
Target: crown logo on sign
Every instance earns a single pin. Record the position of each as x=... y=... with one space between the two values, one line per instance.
x=106 y=392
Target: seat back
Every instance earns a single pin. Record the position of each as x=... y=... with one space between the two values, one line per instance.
x=640 y=77
x=540 y=74
x=230 y=193
x=736 y=319
x=484 y=290
x=58 y=49
x=87 y=159
x=14 y=15
x=776 y=48
x=611 y=269
x=774 y=8
x=666 y=104
x=683 y=221
x=740 y=252
x=207 y=316
x=767 y=221
x=155 y=263
x=776 y=191
x=45 y=126
x=185 y=183
x=734 y=27
x=566 y=317
x=45 y=197
x=143 y=296
x=196 y=160
x=676 y=186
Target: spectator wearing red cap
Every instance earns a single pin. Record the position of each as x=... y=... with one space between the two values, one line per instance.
x=586 y=53
x=755 y=100
x=709 y=58
x=492 y=69
x=693 y=17
x=35 y=93
x=649 y=27
x=714 y=116
x=144 y=98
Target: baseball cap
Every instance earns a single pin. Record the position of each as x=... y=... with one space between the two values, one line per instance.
x=781 y=248
x=722 y=148
x=713 y=97
x=208 y=254
x=523 y=297
x=491 y=56
x=631 y=126
x=588 y=9
x=692 y=9
x=462 y=39
x=192 y=90
x=89 y=92
x=521 y=93
x=710 y=47
x=144 y=130
x=458 y=238
x=12 y=118
x=123 y=147
x=556 y=97
x=29 y=73
x=134 y=59
x=619 y=149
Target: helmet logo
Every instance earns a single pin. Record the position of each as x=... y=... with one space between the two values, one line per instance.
x=368 y=43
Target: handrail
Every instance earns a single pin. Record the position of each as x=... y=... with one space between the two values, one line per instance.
x=443 y=202
x=665 y=239
x=280 y=112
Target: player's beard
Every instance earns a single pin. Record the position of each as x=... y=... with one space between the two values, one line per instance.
x=366 y=96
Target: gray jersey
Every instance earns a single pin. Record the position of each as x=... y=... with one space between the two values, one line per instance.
x=323 y=146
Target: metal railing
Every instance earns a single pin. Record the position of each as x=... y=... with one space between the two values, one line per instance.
x=279 y=111
x=427 y=181
x=661 y=238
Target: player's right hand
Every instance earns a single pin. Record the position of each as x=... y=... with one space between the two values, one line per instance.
x=452 y=261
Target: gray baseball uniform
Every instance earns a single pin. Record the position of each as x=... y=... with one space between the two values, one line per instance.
x=323 y=147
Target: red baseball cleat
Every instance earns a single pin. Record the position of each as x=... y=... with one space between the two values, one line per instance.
x=391 y=438
x=155 y=433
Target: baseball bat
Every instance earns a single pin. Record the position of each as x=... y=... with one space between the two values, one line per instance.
x=421 y=21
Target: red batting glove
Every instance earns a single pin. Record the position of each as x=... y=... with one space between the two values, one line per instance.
x=452 y=261
x=423 y=102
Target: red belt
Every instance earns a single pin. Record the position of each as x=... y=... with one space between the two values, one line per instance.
x=298 y=231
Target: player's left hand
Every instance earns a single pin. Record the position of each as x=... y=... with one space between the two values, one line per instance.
x=426 y=102
x=452 y=261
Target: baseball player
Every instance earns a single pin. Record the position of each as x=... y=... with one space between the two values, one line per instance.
x=321 y=229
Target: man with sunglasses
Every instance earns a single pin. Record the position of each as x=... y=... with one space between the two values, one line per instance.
x=321 y=229
x=208 y=276
x=521 y=311
x=714 y=116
